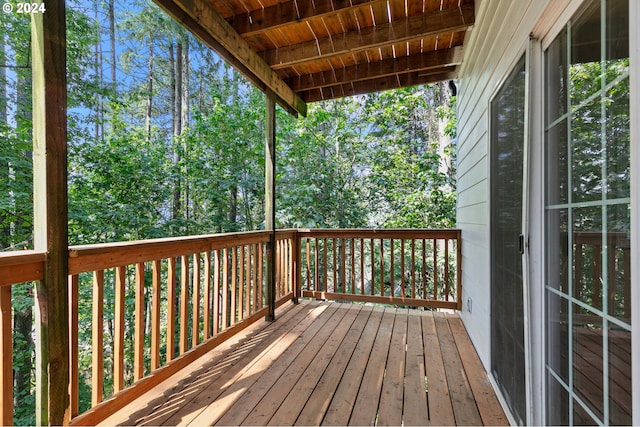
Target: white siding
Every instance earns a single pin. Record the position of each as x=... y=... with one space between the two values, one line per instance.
x=493 y=46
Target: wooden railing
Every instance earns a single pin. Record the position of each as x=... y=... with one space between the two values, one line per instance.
x=157 y=305
x=416 y=268
x=16 y=268
x=588 y=268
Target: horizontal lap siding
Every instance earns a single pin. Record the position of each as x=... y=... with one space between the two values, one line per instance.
x=492 y=47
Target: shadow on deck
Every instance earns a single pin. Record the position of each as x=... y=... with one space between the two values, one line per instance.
x=331 y=364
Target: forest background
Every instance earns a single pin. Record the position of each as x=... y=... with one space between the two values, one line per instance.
x=165 y=139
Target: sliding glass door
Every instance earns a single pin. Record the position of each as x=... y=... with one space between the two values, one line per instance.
x=507 y=315
x=587 y=218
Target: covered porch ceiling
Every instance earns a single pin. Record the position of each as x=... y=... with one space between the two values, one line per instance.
x=311 y=50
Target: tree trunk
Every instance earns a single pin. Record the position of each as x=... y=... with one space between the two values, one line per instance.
x=149 y=92
x=112 y=40
x=184 y=115
x=98 y=70
x=233 y=208
x=5 y=228
x=176 y=207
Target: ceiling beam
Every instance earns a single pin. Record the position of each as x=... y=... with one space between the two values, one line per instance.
x=376 y=85
x=199 y=17
x=292 y=11
x=402 y=30
x=427 y=61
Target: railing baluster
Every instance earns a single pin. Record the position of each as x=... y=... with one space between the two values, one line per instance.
x=577 y=279
x=260 y=275
x=361 y=266
x=74 y=392
x=6 y=365
x=413 y=268
x=353 y=263
x=316 y=285
x=392 y=269
x=138 y=356
x=343 y=265
x=446 y=269
x=97 y=341
x=402 y=280
x=308 y=258
x=241 y=284
x=325 y=256
x=234 y=269
x=373 y=268
x=206 y=316
x=424 y=269
x=216 y=292
x=248 y=280
x=171 y=307
x=225 y=288
x=611 y=268
x=254 y=282
x=435 y=269
x=597 y=274
x=382 y=284
x=336 y=286
x=155 y=315
x=195 y=302
x=118 y=344
x=626 y=278
x=184 y=303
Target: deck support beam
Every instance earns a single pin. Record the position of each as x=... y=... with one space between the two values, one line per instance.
x=50 y=213
x=270 y=201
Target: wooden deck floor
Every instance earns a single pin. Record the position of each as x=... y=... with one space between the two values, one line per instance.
x=331 y=364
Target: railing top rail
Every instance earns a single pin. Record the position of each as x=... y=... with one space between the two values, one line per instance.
x=107 y=255
x=20 y=266
x=8 y=259
x=377 y=233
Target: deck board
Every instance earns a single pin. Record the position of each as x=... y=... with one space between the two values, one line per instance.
x=330 y=364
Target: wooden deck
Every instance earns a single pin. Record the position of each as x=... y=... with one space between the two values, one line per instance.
x=331 y=364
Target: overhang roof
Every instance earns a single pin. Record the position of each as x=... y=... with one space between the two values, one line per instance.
x=310 y=50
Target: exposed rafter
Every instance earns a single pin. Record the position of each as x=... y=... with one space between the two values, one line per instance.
x=430 y=61
x=281 y=14
x=376 y=85
x=401 y=30
x=202 y=19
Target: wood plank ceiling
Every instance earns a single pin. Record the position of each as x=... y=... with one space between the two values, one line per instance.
x=310 y=50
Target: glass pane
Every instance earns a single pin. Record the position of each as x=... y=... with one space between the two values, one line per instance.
x=557 y=180
x=557 y=403
x=556 y=78
x=558 y=335
x=618 y=137
x=619 y=262
x=587 y=358
x=507 y=155
x=582 y=417
x=617 y=42
x=586 y=151
x=587 y=255
x=585 y=70
x=557 y=249
x=620 y=377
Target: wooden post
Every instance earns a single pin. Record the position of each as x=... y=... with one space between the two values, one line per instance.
x=296 y=269
x=270 y=200
x=50 y=213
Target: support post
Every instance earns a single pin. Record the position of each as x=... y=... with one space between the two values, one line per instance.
x=270 y=201
x=50 y=213
x=296 y=273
